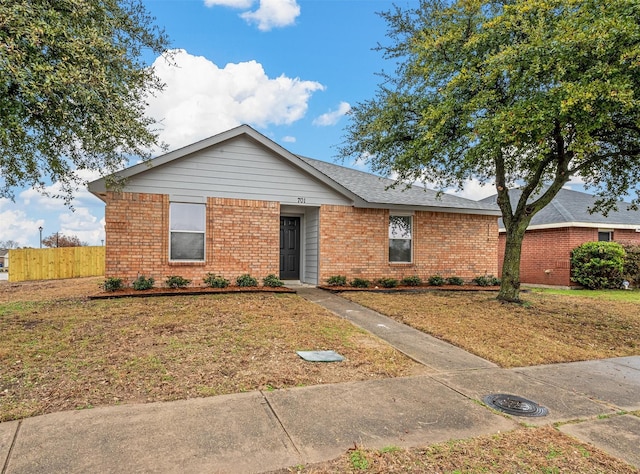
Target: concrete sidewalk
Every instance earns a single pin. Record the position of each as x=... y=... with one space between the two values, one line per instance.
x=262 y=431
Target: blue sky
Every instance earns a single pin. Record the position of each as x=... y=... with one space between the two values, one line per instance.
x=289 y=68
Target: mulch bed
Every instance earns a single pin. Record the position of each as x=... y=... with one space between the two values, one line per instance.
x=205 y=290
x=198 y=290
x=410 y=289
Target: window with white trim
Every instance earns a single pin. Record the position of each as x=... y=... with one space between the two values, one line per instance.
x=400 y=239
x=187 y=224
x=605 y=235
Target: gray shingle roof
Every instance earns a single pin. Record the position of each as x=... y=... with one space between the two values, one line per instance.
x=365 y=189
x=572 y=207
x=375 y=190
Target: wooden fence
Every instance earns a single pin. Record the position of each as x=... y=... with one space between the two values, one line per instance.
x=56 y=263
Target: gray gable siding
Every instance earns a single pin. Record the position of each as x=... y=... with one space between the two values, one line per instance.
x=238 y=169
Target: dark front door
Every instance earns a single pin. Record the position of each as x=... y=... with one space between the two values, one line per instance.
x=290 y=248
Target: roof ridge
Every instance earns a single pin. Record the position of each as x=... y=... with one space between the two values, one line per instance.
x=562 y=210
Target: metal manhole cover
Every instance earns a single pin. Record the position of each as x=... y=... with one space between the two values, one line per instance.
x=514 y=405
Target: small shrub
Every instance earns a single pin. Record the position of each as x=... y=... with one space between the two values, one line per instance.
x=142 y=283
x=215 y=281
x=436 y=280
x=388 y=282
x=175 y=281
x=598 y=265
x=454 y=280
x=486 y=280
x=246 y=280
x=272 y=281
x=112 y=284
x=414 y=280
x=360 y=283
x=337 y=280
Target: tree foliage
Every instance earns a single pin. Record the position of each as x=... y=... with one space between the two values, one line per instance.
x=61 y=240
x=520 y=93
x=72 y=89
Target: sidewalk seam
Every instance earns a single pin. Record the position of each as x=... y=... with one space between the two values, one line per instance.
x=271 y=409
x=13 y=443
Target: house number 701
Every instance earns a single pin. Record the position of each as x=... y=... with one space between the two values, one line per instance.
x=302 y=200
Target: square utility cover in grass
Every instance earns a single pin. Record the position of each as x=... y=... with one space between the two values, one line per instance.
x=320 y=356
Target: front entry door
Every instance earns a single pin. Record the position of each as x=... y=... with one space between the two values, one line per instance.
x=289 y=248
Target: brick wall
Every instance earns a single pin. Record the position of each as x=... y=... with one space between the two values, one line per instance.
x=354 y=242
x=546 y=253
x=242 y=236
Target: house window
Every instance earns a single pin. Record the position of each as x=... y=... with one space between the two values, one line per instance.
x=605 y=236
x=400 y=233
x=187 y=231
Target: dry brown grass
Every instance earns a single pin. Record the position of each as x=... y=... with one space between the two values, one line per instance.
x=525 y=450
x=61 y=351
x=549 y=328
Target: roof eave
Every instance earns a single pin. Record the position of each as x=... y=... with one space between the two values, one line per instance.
x=590 y=225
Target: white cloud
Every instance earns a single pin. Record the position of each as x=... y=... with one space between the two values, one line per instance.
x=289 y=139
x=475 y=190
x=82 y=224
x=269 y=14
x=81 y=196
x=31 y=209
x=16 y=225
x=273 y=14
x=332 y=118
x=202 y=99
x=229 y=3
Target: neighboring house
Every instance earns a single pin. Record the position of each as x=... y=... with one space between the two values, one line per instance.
x=562 y=226
x=239 y=203
x=4 y=258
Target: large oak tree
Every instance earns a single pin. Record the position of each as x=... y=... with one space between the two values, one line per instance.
x=72 y=89
x=520 y=93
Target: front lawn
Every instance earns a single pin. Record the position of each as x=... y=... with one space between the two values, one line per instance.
x=550 y=327
x=61 y=351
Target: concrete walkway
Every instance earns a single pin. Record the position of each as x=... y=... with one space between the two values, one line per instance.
x=263 y=431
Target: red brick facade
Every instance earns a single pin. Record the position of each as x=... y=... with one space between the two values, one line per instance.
x=243 y=236
x=354 y=242
x=546 y=253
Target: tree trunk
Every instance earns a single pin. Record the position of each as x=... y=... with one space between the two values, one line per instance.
x=510 y=278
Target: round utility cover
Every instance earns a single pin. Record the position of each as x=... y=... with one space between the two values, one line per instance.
x=514 y=405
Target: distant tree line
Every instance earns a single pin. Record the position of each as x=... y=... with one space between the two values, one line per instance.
x=56 y=239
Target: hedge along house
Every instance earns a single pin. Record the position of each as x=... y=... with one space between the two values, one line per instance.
x=562 y=226
x=239 y=203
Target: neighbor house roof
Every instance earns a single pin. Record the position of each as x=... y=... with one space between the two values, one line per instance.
x=571 y=209
x=364 y=189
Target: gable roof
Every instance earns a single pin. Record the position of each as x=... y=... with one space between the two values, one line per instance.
x=377 y=191
x=571 y=209
x=363 y=189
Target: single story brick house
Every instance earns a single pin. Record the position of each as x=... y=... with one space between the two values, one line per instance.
x=562 y=226
x=239 y=203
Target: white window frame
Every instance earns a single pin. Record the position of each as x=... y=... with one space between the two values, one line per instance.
x=191 y=228
x=409 y=238
x=605 y=231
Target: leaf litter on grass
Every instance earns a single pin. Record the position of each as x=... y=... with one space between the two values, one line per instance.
x=549 y=329
x=61 y=351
